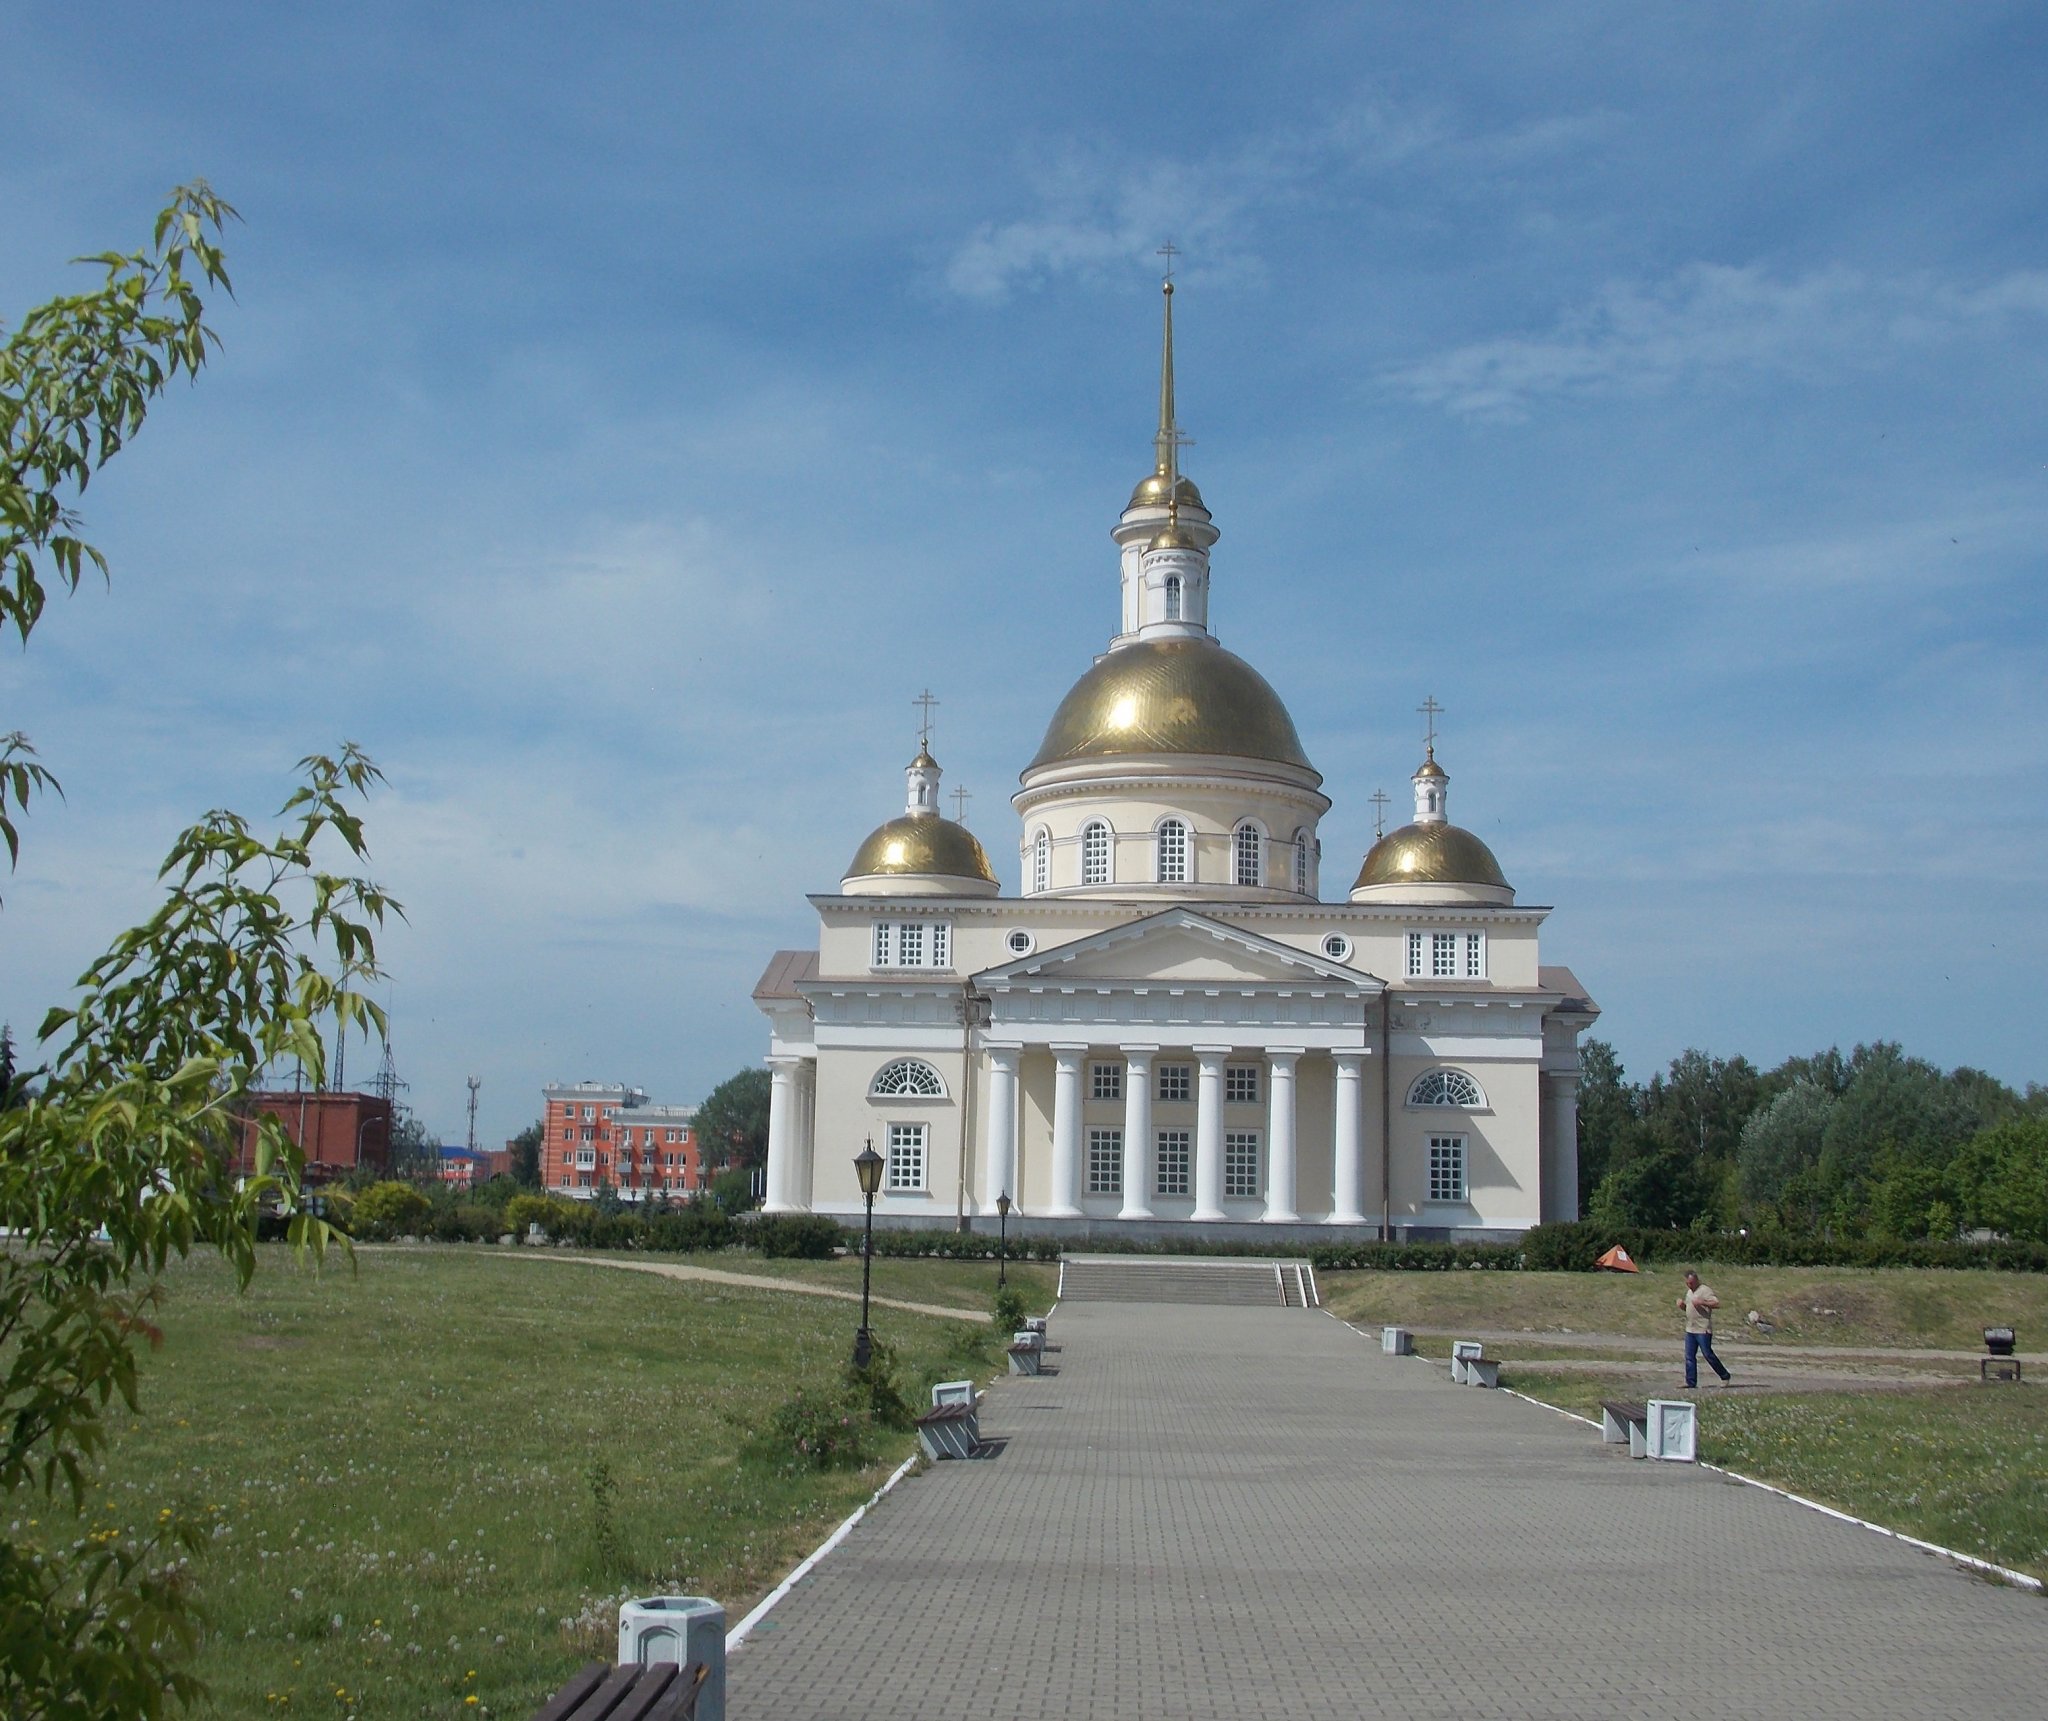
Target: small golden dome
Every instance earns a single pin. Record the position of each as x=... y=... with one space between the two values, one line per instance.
x=922 y=847
x=1430 y=854
x=1171 y=537
x=1430 y=768
x=924 y=760
x=1151 y=493
x=1172 y=696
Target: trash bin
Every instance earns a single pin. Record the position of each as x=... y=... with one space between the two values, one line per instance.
x=681 y=1629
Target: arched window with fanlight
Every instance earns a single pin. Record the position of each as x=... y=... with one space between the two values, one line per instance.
x=1095 y=853
x=1248 y=850
x=908 y=1079
x=1041 y=862
x=1173 y=851
x=1447 y=1088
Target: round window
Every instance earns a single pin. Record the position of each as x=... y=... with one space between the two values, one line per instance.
x=1336 y=947
x=1019 y=942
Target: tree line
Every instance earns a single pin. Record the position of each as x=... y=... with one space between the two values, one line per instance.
x=1871 y=1144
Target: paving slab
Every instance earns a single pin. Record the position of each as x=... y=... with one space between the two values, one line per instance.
x=1251 y=1512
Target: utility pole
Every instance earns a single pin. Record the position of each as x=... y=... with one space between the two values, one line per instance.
x=475 y=1082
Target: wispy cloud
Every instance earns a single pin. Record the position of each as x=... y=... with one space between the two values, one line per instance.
x=1712 y=320
x=1098 y=210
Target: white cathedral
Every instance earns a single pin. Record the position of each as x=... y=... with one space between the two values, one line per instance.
x=1168 y=1032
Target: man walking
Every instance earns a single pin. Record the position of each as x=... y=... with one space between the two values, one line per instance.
x=1699 y=1304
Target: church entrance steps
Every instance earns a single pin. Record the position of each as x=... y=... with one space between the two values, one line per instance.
x=1184 y=1279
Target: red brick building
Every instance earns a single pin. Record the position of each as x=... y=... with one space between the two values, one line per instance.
x=337 y=1132
x=604 y=1133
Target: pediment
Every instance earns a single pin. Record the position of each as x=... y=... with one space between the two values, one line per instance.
x=1178 y=947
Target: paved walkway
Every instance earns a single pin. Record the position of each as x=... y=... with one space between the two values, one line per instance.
x=1278 y=1520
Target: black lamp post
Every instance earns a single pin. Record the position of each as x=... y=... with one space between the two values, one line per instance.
x=867 y=1165
x=1002 y=1239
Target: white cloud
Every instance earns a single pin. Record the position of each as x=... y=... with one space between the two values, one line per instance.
x=1712 y=320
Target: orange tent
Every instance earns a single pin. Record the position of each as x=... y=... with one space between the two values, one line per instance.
x=1616 y=1261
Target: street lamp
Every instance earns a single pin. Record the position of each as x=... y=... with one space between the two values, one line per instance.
x=867 y=1165
x=1002 y=1238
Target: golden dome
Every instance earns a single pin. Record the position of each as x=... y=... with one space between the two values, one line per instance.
x=1171 y=537
x=1172 y=696
x=1430 y=768
x=924 y=760
x=1430 y=854
x=922 y=847
x=1151 y=493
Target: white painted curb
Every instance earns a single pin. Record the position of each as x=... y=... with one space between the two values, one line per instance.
x=738 y=1635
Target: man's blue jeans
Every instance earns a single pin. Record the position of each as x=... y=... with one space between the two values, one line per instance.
x=1699 y=1345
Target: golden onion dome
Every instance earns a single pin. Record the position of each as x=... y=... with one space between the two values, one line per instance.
x=1151 y=493
x=922 y=847
x=1430 y=854
x=1172 y=696
x=1171 y=537
x=1430 y=768
x=924 y=760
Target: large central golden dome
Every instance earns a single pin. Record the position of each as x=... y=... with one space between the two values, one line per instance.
x=1172 y=696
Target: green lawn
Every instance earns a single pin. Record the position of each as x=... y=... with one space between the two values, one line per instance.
x=398 y=1463
x=1892 y=1307
x=942 y=1283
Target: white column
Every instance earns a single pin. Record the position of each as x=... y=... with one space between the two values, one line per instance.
x=1066 y=1131
x=1280 y=1136
x=1559 y=1145
x=803 y=1187
x=1209 y=1133
x=999 y=1147
x=1350 y=1160
x=1137 y=1132
x=782 y=1103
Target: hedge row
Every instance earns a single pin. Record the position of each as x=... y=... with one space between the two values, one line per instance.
x=1577 y=1247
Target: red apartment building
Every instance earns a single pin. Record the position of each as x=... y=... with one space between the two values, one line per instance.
x=337 y=1132
x=604 y=1133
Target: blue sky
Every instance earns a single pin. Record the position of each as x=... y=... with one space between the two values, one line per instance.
x=626 y=410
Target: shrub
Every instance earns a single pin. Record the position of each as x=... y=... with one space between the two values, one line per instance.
x=816 y=1431
x=1576 y=1246
x=389 y=1209
x=796 y=1236
x=1008 y=1309
x=524 y=1210
x=877 y=1390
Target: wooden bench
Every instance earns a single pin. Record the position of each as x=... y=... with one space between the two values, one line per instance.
x=1470 y=1366
x=1626 y=1419
x=1026 y=1359
x=661 y=1691
x=950 y=1430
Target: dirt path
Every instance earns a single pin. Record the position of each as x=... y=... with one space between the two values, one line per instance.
x=746 y=1281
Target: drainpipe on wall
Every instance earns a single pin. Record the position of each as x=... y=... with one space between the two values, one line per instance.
x=1386 y=1122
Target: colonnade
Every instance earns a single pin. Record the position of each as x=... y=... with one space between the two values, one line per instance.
x=1279 y=1194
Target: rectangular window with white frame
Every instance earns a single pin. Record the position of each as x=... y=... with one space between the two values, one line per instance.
x=912 y=944
x=1173 y=1161
x=1475 y=956
x=1447 y=1168
x=1241 y=1084
x=1176 y=1082
x=1240 y=1162
x=905 y=1169
x=1105 y=1162
x=1443 y=955
x=1106 y=1081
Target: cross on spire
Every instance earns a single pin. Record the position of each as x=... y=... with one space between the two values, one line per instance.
x=960 y=799
x=1169 y=251
x=1381 y=800
x=1430 y=711
x=924 y=702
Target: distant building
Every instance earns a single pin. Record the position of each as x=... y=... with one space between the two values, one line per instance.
x=599 y=1134
x=339 y=1133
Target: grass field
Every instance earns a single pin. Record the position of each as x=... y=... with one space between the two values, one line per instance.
x=1895 y=1307
x=965 y=1285
x=398 y=1463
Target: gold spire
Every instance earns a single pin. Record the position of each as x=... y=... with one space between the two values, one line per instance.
x=1164 y=455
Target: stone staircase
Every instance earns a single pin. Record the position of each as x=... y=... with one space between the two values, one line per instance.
x=1186 y=1279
